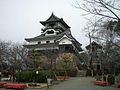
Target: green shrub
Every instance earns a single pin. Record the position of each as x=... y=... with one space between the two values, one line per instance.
x=40 y=77
x=30 y=76
x=61 y=73
x=26 y=76
x=111 y=79
x=98 y=77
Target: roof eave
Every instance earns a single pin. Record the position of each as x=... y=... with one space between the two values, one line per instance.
x=58 y=20
x=64 y=23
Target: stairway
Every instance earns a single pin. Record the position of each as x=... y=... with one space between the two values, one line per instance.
x=81 y=73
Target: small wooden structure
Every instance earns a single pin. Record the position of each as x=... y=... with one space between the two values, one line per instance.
x=95 y=56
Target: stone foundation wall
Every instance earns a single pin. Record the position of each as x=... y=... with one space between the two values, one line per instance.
x=53 y=59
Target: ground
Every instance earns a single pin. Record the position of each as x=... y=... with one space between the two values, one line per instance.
x=77 y=83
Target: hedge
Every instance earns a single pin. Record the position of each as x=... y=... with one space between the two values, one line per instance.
x=31 y=76
x=26 y=76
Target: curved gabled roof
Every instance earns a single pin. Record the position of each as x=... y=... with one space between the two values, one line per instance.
x=52 y=19
x=93 y=44
x=42 y=37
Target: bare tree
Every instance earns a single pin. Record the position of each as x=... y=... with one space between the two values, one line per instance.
x=35 y=58
x=105 y=8
x=19 y=55
x=106 y=28
x=66 y=60
x=13 y=54
x=3 y=60
x=109 y=9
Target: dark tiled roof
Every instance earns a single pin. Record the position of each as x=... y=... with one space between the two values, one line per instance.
x=77 y=45
x=54 y=18
x=42 y=37
x=93 y=44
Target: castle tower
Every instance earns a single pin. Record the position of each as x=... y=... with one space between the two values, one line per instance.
x=55 y=39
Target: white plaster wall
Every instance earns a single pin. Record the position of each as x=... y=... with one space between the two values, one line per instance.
x=44 y=41
x=50 y=34
x=51 y=41
x=31 y=43
x=65 y=41
x=49 y=48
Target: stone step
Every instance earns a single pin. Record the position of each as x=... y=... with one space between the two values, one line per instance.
x=81 y=73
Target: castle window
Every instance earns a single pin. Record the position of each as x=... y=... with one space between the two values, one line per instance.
x=50 y=32
x=47 y=41
x=39 y=42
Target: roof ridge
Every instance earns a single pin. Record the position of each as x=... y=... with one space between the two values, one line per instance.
x=52 y=17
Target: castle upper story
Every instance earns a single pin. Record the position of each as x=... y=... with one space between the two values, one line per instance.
x=55 y=35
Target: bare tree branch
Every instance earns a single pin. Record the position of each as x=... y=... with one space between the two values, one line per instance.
x=97 y=7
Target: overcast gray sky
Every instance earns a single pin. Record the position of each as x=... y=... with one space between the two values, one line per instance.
x=19 y=19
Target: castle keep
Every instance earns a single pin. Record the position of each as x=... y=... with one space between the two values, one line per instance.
x=55 y=43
